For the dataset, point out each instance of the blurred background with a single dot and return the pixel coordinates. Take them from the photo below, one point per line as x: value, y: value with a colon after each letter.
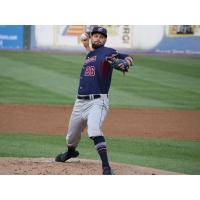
x: 183, y: 39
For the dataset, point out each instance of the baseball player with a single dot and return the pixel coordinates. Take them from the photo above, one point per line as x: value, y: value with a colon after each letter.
x: 92, y: 103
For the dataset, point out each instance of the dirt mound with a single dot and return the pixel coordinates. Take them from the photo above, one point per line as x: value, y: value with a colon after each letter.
x: 47, y: 166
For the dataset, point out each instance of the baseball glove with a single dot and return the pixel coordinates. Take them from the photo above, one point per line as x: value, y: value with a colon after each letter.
x: 118, y: 64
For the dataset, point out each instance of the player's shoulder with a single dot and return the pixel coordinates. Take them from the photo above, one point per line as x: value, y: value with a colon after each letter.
x: 110, y: 50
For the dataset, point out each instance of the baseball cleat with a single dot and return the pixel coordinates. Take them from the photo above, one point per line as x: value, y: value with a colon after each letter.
x: 108, y: 171
x: 66, y: 156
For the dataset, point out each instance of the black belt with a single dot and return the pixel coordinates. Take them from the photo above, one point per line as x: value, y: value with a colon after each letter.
x: 89, y: 97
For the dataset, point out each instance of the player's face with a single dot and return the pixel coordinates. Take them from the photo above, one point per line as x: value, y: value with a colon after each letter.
x: 98, y: 40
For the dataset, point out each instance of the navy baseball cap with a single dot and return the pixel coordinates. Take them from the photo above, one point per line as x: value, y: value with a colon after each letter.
x: 99, y: 29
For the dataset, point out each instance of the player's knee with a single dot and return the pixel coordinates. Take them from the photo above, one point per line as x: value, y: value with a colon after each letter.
x: 94, y: 131
x: 98, y: 139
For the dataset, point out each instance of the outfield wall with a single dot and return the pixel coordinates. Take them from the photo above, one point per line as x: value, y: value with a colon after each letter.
x: 140, y: 38
x: 68, y: 37
x: 121, y: 37
x: 183, y: 39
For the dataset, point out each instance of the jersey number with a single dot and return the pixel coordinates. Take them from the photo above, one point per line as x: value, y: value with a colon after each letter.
x: 90, y: 71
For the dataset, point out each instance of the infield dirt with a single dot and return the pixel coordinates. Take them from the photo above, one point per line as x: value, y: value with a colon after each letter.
x: 157, y: 123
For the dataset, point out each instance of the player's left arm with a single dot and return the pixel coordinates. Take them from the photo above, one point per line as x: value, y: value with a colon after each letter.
x: 127, y: 58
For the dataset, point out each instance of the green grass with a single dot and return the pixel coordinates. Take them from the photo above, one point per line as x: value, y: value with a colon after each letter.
x: 13, y: 91
x: 173, y: 155
x: 52, y: 78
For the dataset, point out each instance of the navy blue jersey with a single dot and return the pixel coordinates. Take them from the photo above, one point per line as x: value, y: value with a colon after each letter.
x: 96, y: 73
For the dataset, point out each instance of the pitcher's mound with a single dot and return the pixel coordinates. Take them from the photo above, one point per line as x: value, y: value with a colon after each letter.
x: 47, y: 166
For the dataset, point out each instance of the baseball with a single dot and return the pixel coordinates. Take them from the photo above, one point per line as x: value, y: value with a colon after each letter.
x: 84, y: 36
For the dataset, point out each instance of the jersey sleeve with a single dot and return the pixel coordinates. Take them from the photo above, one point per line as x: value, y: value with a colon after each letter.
x: 122, y: 56
x: 119, y: 55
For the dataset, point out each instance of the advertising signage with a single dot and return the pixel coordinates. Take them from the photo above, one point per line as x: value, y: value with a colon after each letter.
x: 11, y: 36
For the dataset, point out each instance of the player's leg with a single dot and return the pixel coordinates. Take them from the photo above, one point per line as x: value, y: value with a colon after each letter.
x: 96, y: 117
x: 101, y: 147
x: 75, y: 128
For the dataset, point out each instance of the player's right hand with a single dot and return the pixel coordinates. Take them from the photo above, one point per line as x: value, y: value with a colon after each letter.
x: 85, y: 40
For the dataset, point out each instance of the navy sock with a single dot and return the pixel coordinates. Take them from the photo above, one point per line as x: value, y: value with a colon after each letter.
x: 71, y: 149
x: 100, y: 145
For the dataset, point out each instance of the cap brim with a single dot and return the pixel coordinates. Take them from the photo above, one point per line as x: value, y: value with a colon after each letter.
x: 99, y: 32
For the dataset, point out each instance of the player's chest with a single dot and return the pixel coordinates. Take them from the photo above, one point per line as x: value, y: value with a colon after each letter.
x: 92, y: 65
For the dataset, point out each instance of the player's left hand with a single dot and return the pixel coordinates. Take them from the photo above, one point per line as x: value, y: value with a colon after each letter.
x: 119, y: 64
x: 122, y: 65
